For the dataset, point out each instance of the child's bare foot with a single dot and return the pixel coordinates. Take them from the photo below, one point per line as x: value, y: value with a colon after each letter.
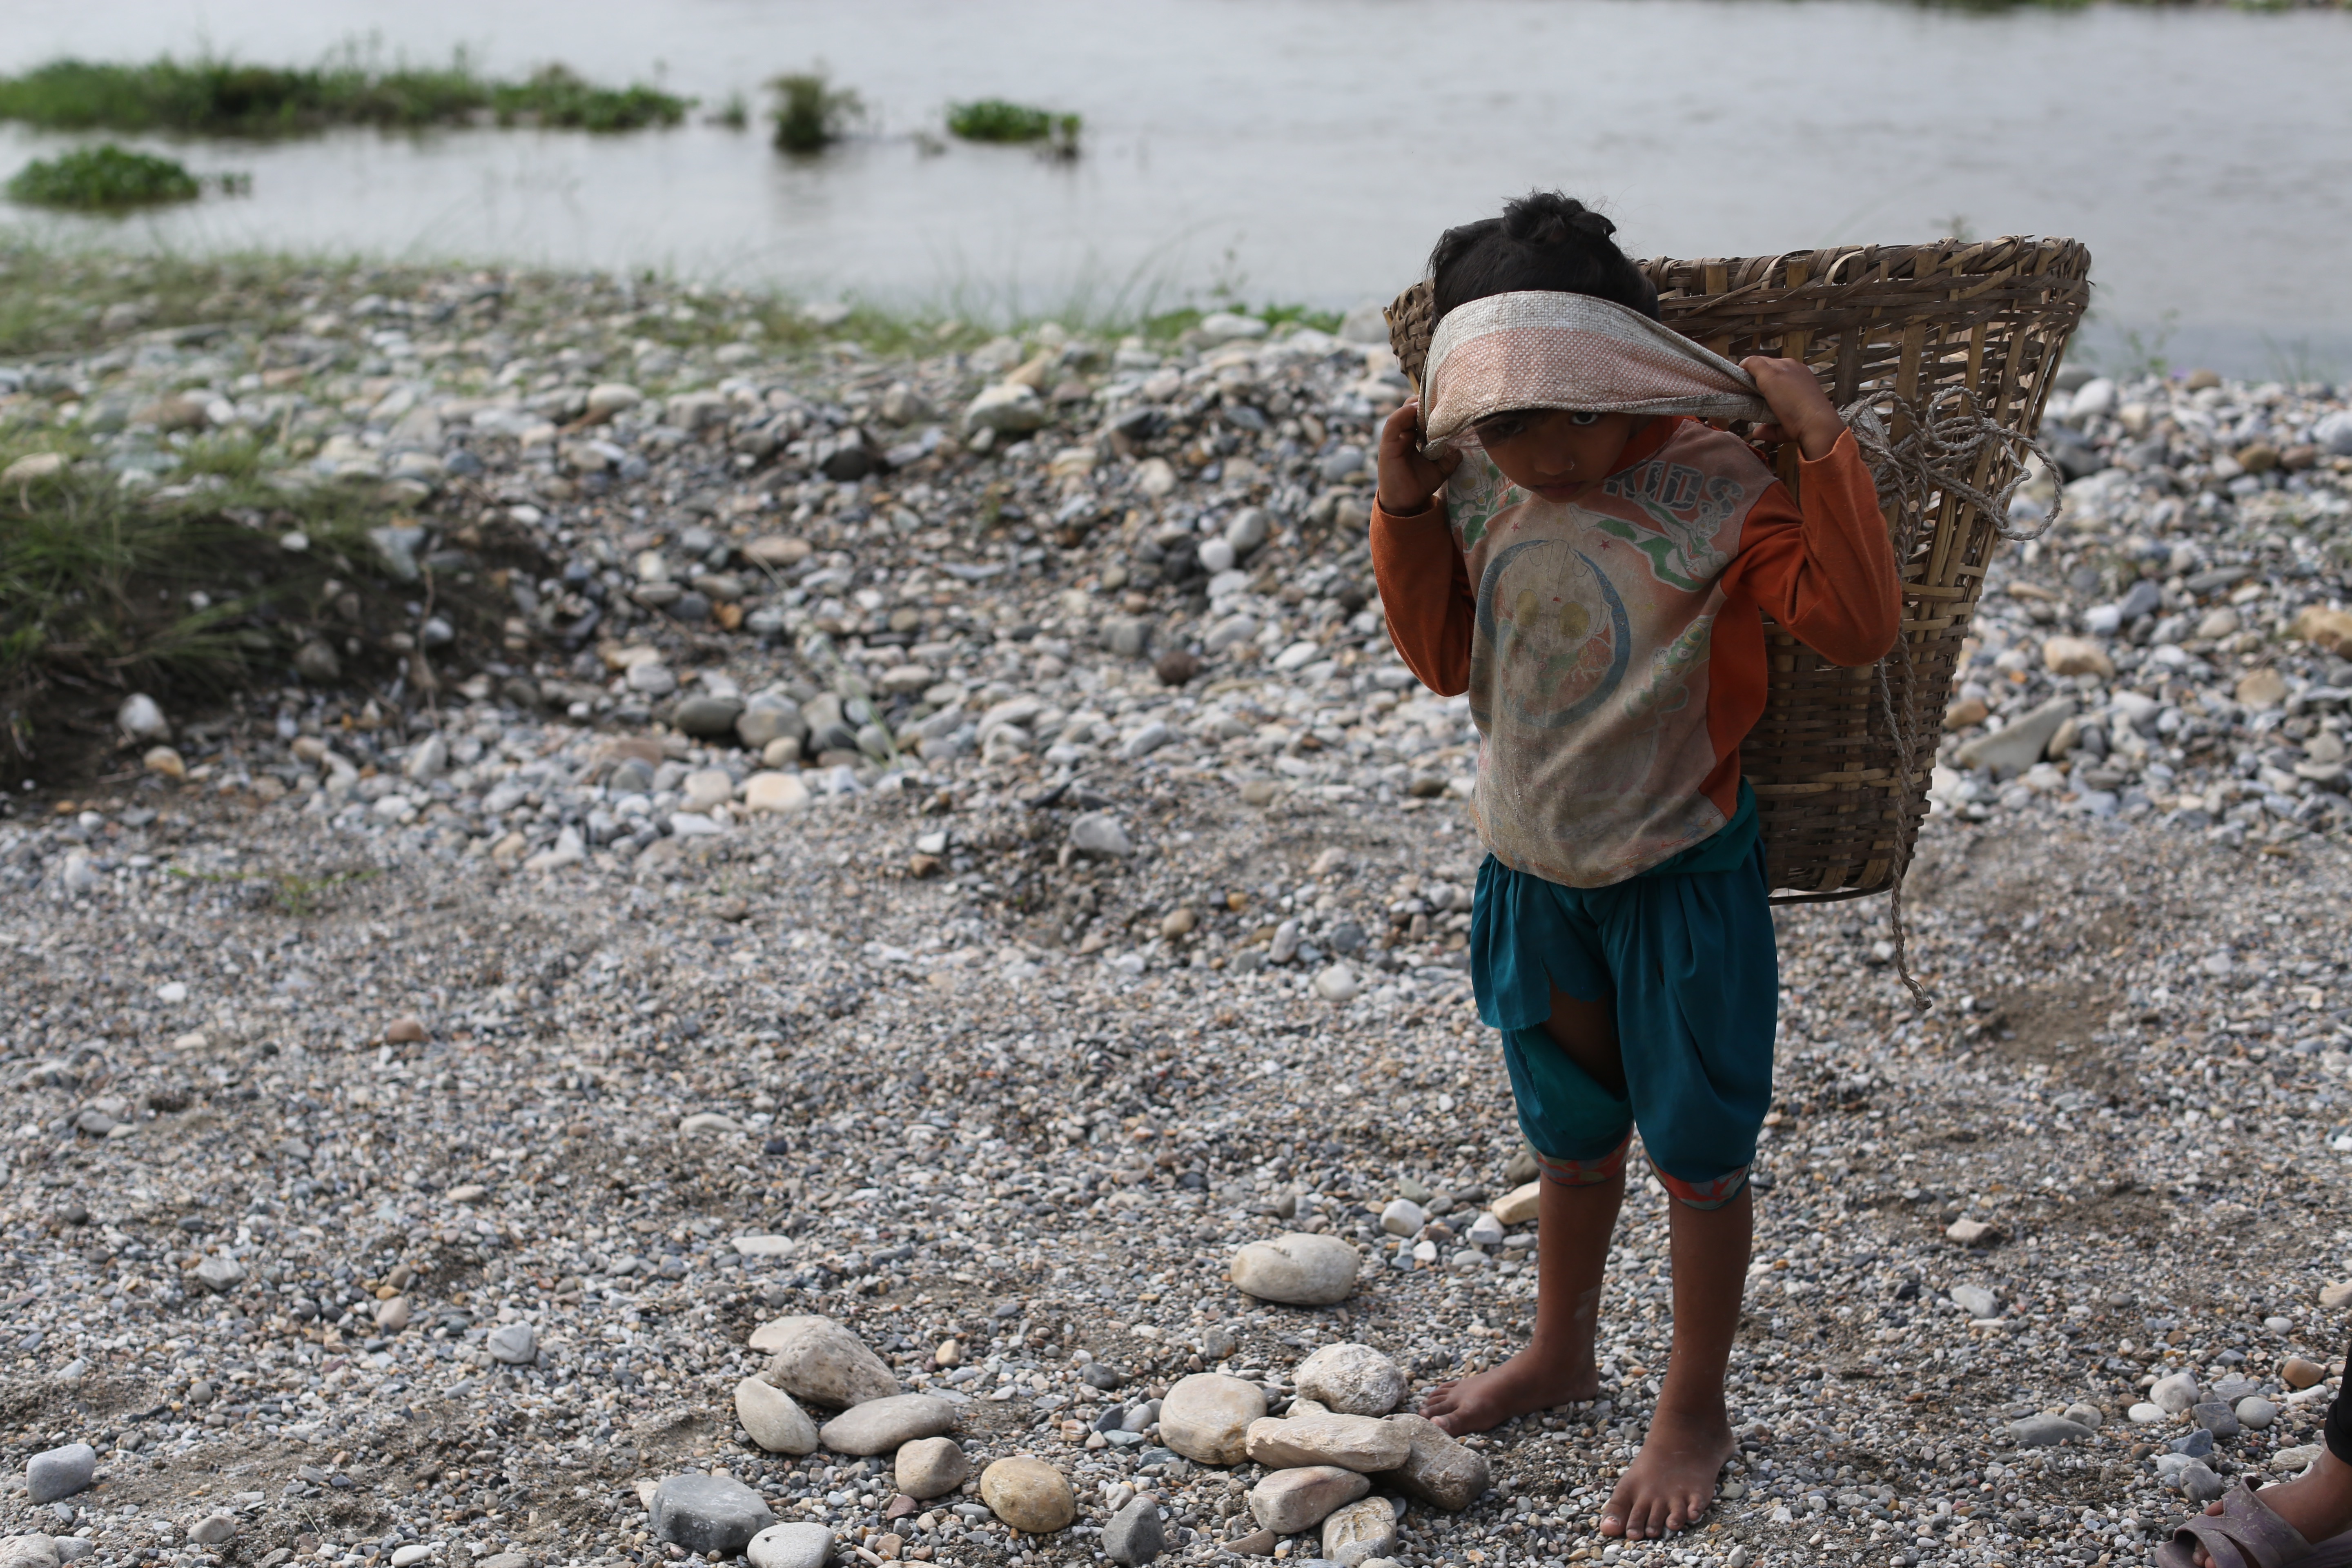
x: 2319, y: 1503
x: 1671, y: 1482
x: 1535, y: 1379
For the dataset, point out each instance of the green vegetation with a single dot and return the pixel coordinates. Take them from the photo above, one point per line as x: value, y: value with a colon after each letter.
x: 995, y: 120
x: 102, y: 176
x: 810, y: 112
x: 292, y: 893
x: 222, y: 98
x: 555, y: 97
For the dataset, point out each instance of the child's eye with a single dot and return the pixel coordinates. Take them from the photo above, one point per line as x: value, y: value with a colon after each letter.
x: 1581, y: 418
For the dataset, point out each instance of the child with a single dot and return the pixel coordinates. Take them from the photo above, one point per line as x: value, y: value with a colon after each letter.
x: 1595, y: 578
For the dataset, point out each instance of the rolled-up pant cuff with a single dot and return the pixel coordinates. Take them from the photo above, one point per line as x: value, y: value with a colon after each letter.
x: 1584, y: 1172
x: 1712, y: 1194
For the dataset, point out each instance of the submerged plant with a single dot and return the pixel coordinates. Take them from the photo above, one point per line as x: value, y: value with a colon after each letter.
x: 102, y: 176
x: 555, y: 96
x: 995, y: 119
x: 810, y: 112
x: 223, y: 98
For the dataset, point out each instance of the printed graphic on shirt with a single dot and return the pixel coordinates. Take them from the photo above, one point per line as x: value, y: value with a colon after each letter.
x: 1687, y: 508
x: 1588, y: 654
x: 1563, y: 641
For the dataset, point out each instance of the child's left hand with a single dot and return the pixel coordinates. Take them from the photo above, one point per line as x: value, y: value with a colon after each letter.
x: 1804, y: 411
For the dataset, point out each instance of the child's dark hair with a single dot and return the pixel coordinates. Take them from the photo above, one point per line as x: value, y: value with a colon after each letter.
x: 1543, y: 240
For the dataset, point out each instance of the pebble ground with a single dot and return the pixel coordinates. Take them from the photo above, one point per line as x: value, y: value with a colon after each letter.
x: 377, y: 1141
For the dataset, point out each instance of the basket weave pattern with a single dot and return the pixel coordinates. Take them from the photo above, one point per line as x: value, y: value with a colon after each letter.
x: 1892, y: 327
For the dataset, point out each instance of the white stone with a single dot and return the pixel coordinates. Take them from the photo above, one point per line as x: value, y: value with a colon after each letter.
x: 773, y: 1418
x: 781, y: 794
x: 611, y: 397
x: 142, y: 720
x: 1361, y: 1443
x: 1288, y: 1502
x: 797, y: 1545
x: 1338, y: 984
x: 1297, y: 1270
x: 1008, y: 408
x: 817, y: 1359
x: 1351, y: 1379
x: 1206, y: 1417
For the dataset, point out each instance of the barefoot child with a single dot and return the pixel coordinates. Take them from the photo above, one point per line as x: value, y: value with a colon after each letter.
x: 1594, y: 575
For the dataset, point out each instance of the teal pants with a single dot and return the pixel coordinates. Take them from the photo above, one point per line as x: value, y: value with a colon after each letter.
x: 1688, y: 963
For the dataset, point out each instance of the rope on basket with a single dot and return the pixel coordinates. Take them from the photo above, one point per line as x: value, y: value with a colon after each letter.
x: 1947, y: 439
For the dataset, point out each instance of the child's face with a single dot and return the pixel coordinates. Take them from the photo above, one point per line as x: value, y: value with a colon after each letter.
x: 1556, y: 454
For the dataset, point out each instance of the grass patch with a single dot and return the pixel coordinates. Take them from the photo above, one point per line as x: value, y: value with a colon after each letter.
x: 209, y: 97
x: 555, y: 97
x: 995, y: 119
x: 102, y: 177
x: 810, y: 112
x: 186, y: 593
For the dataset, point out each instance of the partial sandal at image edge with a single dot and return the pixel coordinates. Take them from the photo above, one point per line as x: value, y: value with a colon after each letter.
x: 2247, y: 1534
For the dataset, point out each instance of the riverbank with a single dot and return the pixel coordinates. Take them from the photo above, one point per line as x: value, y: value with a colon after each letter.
x: 940, y: 842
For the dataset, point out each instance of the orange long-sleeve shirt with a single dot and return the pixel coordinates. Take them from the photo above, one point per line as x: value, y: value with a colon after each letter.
x: 1613, y: 648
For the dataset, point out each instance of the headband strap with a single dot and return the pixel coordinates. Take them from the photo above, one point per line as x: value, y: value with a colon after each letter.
x: 1543, y: 349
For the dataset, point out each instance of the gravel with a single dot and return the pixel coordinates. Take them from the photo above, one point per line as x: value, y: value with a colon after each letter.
x: 991, y: 1039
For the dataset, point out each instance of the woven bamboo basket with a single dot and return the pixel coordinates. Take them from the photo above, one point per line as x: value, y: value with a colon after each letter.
x: 1908, y: 331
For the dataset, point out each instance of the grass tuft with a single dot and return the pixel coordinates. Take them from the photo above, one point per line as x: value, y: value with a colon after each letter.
x: 102, y: 176
x: 812, y: 113
x: 995, y: 119
x: 208, y: 96
x: 555, y: 97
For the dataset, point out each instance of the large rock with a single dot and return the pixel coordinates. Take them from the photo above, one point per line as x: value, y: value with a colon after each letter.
x: 1361, y: 1443
x: 768, y: 718
x: 774, y: 1421
x: 707, y: 718
x: 931, y: 1466
x: 1297, y: 1270
x: 1134, y: 1535
x: 60, y: 1472
x: 2076, y: 656
x: 777, y: 793
x: 2048, y: 1431
x: 1097, y: 834
x: 28, y: 1551
x: 1206, y: 1417
x: 799, y: 1545
x: 1438, y: 1471
x: 1028, y: 1494
x: 1354, y: 1380
x: 1288, y: 1502
x: 709, y: 1513
x: 2018, y: 744
x: 817, y: 1359
x: 1359, y: 1531
x: 1008, y: 408
x: 1519, y: 1205
x: 2175, y: 1394
x: 880, y: 1426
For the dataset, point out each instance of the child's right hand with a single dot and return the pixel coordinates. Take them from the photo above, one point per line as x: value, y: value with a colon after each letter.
x: 1407, y: 479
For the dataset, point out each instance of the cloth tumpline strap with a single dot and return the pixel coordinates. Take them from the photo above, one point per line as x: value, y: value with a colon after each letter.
x: 1541, y: 349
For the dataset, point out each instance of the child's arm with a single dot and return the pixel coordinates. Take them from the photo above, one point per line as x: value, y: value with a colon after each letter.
x: 1824, y: 569
x: 1424, y: 582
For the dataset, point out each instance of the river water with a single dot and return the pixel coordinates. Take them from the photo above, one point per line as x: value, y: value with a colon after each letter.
x: 1310, y: 150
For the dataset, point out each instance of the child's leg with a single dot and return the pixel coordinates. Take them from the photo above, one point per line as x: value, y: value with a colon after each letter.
x: 1699, y: 987
x: 1574, y: 1222
x: 1672, y: 1481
